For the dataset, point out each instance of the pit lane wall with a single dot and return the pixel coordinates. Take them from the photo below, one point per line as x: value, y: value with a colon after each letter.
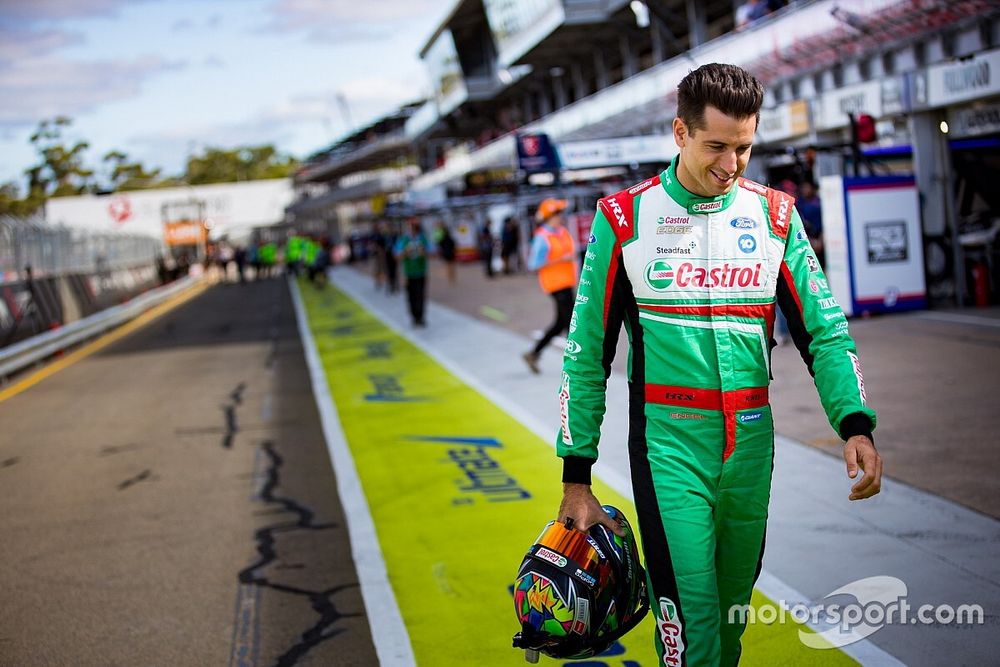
x: 30, y: 306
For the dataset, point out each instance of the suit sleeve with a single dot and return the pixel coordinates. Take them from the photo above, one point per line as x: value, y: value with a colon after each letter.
x: 819, y: 329
x: 590, y: 349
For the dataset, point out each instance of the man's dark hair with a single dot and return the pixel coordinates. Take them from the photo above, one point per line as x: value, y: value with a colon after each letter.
x: 730, y: 89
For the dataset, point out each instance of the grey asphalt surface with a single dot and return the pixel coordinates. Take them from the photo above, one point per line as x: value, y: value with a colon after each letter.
x: 170, y: 501
x: 934, y: 383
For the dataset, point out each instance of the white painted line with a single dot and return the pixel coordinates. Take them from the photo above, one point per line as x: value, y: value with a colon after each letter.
x: 863, y: 651
x: 392, y: 642
x: 955, y: 318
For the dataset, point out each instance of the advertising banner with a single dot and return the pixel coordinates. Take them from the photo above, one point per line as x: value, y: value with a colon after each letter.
x: 536, y: 153
x: 655, y: 149
x: 885, y: 244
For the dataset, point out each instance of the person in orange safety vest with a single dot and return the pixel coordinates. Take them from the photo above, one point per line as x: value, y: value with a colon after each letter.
x: 553, y: 256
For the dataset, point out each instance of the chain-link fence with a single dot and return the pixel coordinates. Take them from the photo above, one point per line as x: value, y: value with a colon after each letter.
x: 57, y: 250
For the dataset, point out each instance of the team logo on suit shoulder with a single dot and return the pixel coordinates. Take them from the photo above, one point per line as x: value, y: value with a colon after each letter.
x: 747, y: 243
x: 743, y: 223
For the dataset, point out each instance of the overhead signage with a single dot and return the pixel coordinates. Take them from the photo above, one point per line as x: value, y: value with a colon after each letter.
x: 185, y: 232
x: 974, y: 120
x: 536, y: 153
x: 654, y: 149
x: 952, y: 83
x: 835, y: 105
x: 787, y: 120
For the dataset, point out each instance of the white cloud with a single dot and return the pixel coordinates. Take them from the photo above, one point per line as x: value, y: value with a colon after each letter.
x: 18, y: 44
x: 333, y: 21
x: 302, y: 124
x: 37, y: 88
x: 56, y: 10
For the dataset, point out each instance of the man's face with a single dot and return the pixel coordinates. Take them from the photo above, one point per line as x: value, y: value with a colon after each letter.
x: 713, y: 157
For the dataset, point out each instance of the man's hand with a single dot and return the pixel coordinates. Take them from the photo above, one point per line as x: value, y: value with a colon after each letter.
x: 859, y: 451
x: 580, y: 505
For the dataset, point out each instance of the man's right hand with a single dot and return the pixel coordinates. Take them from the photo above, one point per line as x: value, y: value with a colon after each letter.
x: 580, y: 505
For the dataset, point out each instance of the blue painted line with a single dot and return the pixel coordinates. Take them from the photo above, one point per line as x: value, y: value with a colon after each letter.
x: 480, y: 442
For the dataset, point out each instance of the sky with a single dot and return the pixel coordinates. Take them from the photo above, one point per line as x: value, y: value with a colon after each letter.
x: 163, y: 79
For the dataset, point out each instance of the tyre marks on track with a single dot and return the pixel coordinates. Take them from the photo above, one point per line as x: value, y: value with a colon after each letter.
x: 253, y: 580
x: 229, y: 410
x: 146, y: 474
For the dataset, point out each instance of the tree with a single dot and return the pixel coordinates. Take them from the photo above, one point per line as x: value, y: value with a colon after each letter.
x: 61, y: 171
x: 127, y: 175
x: 249, y: 163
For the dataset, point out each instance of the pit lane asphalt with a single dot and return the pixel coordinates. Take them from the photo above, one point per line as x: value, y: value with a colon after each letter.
x: 170, y: 501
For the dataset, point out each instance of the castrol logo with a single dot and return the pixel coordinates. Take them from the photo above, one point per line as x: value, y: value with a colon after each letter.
x: 671, y: 630
x: 660, y: 275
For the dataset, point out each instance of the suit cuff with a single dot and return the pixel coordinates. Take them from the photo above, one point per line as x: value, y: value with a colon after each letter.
x: 576, y: 470
x: 856, y: 423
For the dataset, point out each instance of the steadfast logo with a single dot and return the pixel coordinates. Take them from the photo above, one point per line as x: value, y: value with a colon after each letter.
x: 670, y: 627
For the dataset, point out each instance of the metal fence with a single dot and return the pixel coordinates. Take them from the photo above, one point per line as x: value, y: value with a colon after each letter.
x: 52, y: 250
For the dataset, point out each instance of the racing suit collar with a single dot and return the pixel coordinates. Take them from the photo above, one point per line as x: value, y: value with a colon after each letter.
x: 692, y: 202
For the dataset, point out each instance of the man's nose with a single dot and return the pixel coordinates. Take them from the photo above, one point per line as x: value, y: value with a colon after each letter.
x: 728, y: 162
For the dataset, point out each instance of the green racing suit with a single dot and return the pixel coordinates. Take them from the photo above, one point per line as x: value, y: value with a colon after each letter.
x: 695, y: 282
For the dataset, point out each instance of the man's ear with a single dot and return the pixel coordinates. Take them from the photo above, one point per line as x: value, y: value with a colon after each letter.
x: 681, y: 133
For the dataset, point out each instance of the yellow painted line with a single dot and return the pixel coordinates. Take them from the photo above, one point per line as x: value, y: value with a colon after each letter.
x: 494, y: 313
x: 101, y: 342
x: 458, y: 490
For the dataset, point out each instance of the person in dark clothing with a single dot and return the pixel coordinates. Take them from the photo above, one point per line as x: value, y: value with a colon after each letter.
x: 510, y: 242
x: 391, y: 263
x: 412, y: 248
x: 811, y: 212
x: 446, y: 249
x: 486, y: 248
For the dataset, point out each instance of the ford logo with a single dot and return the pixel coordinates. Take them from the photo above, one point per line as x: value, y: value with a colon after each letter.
x: 743, y: 223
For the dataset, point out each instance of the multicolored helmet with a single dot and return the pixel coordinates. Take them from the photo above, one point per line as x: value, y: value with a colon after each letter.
x: 577, y: 593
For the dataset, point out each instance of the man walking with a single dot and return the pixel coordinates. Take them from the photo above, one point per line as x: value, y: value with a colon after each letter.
x: 553, y: 256
x: 692, y: 262
x: 412, y: 249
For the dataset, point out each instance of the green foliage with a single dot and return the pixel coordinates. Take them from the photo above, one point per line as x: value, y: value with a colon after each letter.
x: 127, y: 175
x: 251, y: 163
x: 61, y: 169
